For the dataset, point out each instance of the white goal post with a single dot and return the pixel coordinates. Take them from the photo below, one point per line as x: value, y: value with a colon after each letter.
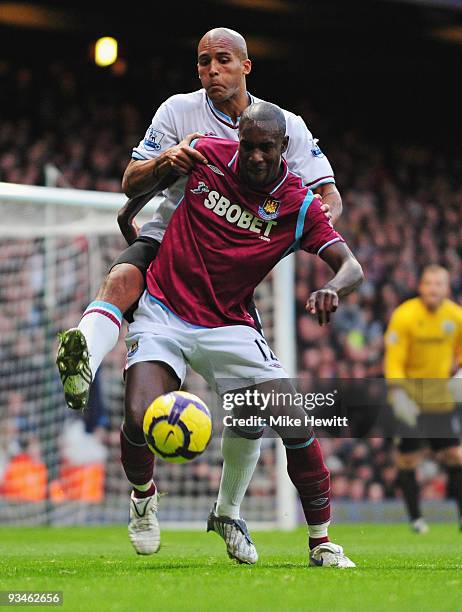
x: 55, y: 247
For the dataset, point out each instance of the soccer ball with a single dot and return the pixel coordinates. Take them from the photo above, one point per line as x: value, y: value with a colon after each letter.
x: 177, y: 426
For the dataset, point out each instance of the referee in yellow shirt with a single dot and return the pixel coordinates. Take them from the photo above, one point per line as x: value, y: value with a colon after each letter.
x: 423, y: 341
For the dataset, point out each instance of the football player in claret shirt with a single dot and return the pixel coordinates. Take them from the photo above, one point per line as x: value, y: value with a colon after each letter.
x: 242, y: 212
x: 223, y: 66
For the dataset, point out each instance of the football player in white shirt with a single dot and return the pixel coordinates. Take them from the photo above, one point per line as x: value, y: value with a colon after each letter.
x: 223, y: 65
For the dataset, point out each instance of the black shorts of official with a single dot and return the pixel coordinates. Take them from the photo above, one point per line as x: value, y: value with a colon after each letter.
x: 140, y: 254
x: 446, y: 424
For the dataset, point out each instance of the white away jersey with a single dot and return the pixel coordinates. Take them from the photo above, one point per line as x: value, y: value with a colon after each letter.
x: 183, y: 114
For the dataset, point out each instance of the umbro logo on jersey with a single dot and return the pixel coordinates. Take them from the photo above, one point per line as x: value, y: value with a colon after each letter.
x: 215, y: 169
x: 201, y: 188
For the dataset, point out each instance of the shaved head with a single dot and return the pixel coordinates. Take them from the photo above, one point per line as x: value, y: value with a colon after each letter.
x: 265, y: 112
x: 224, y: 35
x: 222, y: 66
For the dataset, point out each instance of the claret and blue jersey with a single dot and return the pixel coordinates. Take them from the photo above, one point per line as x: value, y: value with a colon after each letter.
x: 225, y: 237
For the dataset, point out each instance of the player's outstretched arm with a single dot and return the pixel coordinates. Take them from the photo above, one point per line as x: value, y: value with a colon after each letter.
x: 348, y: 276
x: 142, y: 176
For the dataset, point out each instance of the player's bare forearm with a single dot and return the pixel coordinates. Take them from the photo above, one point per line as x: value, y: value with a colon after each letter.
x: 348, y: 277
x: 145, y: 176
x: 332, y: 198
x: 142, y: 176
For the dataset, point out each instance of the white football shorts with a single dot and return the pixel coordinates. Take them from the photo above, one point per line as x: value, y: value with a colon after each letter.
x: 228, y: 357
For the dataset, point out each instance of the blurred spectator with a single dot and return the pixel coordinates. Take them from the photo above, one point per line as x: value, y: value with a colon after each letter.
x: 82, y: 469
x: 25, y: 478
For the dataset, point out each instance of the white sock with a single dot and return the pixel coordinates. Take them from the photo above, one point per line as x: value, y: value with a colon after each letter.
x: 318, y: 531
x: 100, y: 325
x: 240, y: 458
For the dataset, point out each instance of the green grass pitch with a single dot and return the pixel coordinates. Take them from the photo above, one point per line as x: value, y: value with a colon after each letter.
x: 96, y: 569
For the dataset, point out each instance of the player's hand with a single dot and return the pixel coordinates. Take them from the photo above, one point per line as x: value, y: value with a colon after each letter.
x: 182, y: 158
x: 322, y: 303
x: 405, y: 409
x: 324, y: 206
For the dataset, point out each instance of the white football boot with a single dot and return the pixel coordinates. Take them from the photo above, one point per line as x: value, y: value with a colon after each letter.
x: 143, y: 526
x: 419, y: 526
x: 329, y: 555
x: 236, y: 536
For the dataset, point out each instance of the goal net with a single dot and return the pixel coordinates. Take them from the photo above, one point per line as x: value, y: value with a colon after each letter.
x: 57, y: 467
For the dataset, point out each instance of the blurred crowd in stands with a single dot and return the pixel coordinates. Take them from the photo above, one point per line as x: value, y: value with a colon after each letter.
x: 402, y: 210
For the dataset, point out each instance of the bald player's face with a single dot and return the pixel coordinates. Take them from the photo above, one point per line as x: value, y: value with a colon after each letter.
x: 434, y: 288
x: 221, y: 67
x: 260, y: 150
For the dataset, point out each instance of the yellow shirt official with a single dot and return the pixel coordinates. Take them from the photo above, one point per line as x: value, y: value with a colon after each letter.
x: 421, y: 344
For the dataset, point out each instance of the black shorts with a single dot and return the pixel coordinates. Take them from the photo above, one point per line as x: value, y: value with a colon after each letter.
x: 140, y: 254
x: 445, y: 425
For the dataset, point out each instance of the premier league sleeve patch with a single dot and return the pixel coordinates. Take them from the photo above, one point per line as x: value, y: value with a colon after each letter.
x: 153, y: 139
x: 391, y: 338
x: 269, y: 210
x: 315, y: 150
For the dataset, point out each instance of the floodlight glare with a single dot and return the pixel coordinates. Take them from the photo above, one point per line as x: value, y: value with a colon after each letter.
x: 105, y: 51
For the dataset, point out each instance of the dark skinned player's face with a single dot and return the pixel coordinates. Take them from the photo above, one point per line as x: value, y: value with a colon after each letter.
x: 221, y: 69
x: 260, y: 150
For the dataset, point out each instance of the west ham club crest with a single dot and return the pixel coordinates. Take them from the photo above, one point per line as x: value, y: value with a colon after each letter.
x: 270, y: 209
